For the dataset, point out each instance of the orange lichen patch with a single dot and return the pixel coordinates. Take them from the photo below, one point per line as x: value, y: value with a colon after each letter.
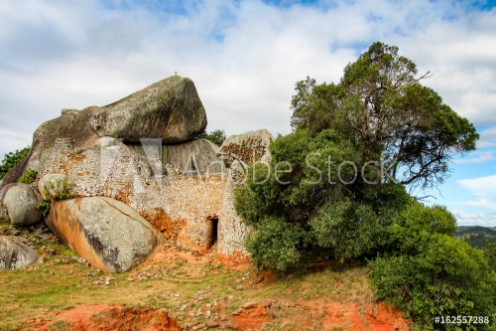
x: 236, y: 261
x: 112, y: 317
x: 124, y: 196
x: 65, y: 225
x: 251, y: 318
x: 77, y: 157
x: 162, y: 221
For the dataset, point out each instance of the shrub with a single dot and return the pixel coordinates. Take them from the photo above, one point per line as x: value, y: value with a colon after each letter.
x: 276, y: 245
x: 10, y: 160
x: 43, y: 207
x: 216, y: 136
x: 59, y: 189
x: 427, y: 273
x: 490, y: 252
x: 28, y: 176
x: 450, y: 278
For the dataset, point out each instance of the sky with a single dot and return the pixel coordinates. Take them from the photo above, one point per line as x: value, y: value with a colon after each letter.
x: 245, y: 57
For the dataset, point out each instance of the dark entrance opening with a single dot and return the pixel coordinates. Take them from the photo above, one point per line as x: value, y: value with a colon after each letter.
x: 214, y: 225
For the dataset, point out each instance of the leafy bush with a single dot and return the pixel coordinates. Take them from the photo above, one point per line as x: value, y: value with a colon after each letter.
x: 28, y: 176
x: 428, y: 273
x: 276, y: 245
x: 10, y: 160
x: 43, y: 207
x: 216, y: 136
x: 490, y: 252
x: 450, y: 278
x: 59, y: 189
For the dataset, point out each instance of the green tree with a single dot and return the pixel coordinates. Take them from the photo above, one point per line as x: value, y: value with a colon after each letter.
x: 382, y: 107
x: 10, y: 160
x: 216, y: 136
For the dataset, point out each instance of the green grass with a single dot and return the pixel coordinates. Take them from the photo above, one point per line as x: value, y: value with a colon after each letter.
x: 61, y: 282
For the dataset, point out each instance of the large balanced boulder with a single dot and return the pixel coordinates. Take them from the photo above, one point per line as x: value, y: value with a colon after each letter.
x: 15, y: 254
x: 20, y: 200
x: 106, y: 232
x: 169, y: 109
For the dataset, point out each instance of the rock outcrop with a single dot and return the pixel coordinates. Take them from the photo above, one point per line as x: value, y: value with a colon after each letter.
x: 248, y: 147
x: 143, y: 152
x: 20, y: 200
x: 170, y: 110
x: 107, y: 233
x: 15, y: 254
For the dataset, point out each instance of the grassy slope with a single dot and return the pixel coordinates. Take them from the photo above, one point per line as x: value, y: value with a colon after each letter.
x: 62, y: 281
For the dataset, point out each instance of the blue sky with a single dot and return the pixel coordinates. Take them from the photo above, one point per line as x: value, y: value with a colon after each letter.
x: 245, y: 57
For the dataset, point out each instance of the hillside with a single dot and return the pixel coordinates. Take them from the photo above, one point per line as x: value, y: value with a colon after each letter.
x: 477, y: 236
x: 185, y: 291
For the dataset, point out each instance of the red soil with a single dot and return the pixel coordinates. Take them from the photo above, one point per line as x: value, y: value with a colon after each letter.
x: 252, y: 318
x: 112, y: 317
x: 373, y: 316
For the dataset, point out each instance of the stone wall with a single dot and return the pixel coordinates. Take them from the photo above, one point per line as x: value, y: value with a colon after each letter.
x: 182, y: 202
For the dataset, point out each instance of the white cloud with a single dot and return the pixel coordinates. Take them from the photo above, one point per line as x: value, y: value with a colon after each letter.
x: 487, y: 138
x: 480, y: 185
x: 482, y: 158
x: 477, y: 218
x: 484, y: 190
x: 244, y: 57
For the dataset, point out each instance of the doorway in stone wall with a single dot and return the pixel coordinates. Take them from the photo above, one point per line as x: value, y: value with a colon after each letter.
x: 213, y: 231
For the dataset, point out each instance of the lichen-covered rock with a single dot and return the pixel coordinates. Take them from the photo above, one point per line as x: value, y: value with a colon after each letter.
x: 248, y: 147
x: 169, y: 109
x: 198, y: 156
x: 106, y: 232
x: 20, y: 201
x: 15, y: 254
x: 49, y: 184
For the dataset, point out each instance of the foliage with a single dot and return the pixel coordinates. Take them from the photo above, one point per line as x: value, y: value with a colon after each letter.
x: 305, y: 205
x: 216, y: 136
x: 490, y: 252
x: 59, y: 189
x: 28, y: 176
x: 276, y: 245
x: 429, y: 273
x: 384, y: 110
x: 300, y: 205
x: 10, y: 160
x: 43, y: 207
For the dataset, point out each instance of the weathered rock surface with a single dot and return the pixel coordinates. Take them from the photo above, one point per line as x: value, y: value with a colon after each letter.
x: 107, y: 233
x: 20, y: 201
x: 169, y: 109
x: 4, y: 215
x: 198, y: 156
x: 248, y: 147
x: 15, y: 254
x: 50, y: 183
